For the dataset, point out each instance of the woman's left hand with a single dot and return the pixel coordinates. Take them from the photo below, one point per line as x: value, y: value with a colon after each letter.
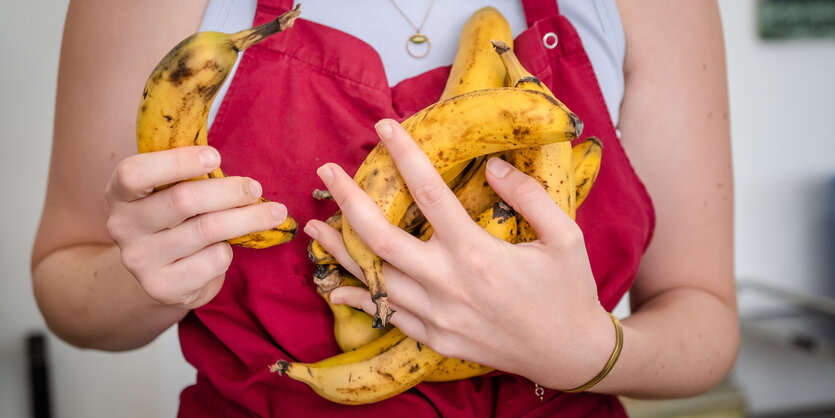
x: 530, y: 309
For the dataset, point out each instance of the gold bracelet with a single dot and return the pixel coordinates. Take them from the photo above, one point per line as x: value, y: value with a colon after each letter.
x: 610, y: 364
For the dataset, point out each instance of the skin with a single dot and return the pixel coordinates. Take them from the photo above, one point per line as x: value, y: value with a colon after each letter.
x: 113, y: 270
x: 109, y: 268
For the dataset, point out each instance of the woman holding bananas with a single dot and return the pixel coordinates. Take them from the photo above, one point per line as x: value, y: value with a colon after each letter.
x: 113, y: 271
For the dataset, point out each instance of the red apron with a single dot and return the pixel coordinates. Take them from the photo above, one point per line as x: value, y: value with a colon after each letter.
x: 312, y: 95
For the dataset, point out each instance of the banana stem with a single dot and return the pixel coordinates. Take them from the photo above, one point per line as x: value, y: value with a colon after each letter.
x: 500, y: 47
x: 248, y: 37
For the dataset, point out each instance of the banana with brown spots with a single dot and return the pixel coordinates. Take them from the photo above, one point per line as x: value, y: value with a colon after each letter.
x: 174, y: 108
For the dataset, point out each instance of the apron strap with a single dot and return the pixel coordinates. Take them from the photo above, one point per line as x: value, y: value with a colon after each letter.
x: 539, y: 9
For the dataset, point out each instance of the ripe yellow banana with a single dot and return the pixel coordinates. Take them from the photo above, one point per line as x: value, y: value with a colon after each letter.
x: 452, y: 369
x: 451, y: 132
x: 587, y: 157
x: 475, y: 194
x: 370, y: 373
x: 413, y: 218
x: 317, y: 254
x: 179, y: 93
x: 352, y: 327
x: 475, y: 66
x: 549, y: 164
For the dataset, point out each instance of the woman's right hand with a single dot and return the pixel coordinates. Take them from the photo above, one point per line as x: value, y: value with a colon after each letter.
x: 173, y: 241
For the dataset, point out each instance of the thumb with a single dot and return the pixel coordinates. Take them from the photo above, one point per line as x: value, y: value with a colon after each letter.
x: 530, y: 199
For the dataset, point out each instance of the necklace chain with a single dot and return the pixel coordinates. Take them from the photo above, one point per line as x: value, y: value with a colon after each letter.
x: 418, y: 37
x: 405, y: 16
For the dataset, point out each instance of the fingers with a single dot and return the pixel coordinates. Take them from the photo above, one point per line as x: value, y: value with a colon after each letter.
x: 331, y: 241
x: 530, y: 199
x: 359, y: 298
x: 386, y: 240
x: 136, y: 176
x: 403, y: 290
x: 209, y: 228
x: 191, y: 281
x: 437, y: 202
x: 188, y: 199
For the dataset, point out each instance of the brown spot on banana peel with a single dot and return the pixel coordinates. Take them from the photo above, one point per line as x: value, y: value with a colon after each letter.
x: 181, y: 70
x: 266, y: 239
x: 531, y: 79
x: 596, y: 141
x: 208, y: 91
x: 502, y: 211
x: 387, y: 376
x: 196, y: 139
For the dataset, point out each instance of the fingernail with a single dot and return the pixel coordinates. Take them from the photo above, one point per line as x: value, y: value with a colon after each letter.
x: 326, y: 174
x: 209, y: 158
x: 311, y: 231
x: 334, y: 297
x: 383, y: 129
x: 498, y: 167
x: 278, y: 211
x: 255, y: 188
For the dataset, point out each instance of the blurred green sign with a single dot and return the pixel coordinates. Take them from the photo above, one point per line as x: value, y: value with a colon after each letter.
x: 782, y: 19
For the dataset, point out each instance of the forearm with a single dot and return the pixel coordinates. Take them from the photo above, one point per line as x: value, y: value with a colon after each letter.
x: 680, y: 343
x: 90, y: 300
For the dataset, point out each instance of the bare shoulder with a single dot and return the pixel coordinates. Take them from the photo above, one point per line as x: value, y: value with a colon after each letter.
x: 107, y: 51
x: 675, y: 130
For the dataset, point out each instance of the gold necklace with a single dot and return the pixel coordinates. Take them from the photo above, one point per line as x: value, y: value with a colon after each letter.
x: 418, y: 38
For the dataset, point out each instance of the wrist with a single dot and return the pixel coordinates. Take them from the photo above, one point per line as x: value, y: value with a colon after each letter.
x: 584, y: 355
x: 610, y: 363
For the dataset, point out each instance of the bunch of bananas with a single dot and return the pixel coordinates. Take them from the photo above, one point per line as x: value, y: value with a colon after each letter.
x: 491, y: 106
x: 179, y: 92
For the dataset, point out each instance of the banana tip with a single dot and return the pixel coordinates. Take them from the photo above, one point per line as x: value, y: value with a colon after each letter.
x: 500, y: 46
x: 384, y: 310
x: 578, y: 125
x: 280, y: 367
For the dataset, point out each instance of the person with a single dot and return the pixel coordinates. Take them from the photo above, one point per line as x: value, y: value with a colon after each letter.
x: 113, y: 270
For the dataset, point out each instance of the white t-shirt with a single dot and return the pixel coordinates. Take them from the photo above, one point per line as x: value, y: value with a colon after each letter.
x: 597, y: 22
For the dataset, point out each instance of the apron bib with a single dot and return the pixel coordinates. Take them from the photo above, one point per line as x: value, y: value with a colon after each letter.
x: 313, y: 95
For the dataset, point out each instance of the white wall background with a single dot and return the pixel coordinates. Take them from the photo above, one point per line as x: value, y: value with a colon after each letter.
x: 783, y: 118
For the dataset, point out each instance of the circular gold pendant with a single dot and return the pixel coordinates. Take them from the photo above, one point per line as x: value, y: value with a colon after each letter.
x: 418, y: 39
